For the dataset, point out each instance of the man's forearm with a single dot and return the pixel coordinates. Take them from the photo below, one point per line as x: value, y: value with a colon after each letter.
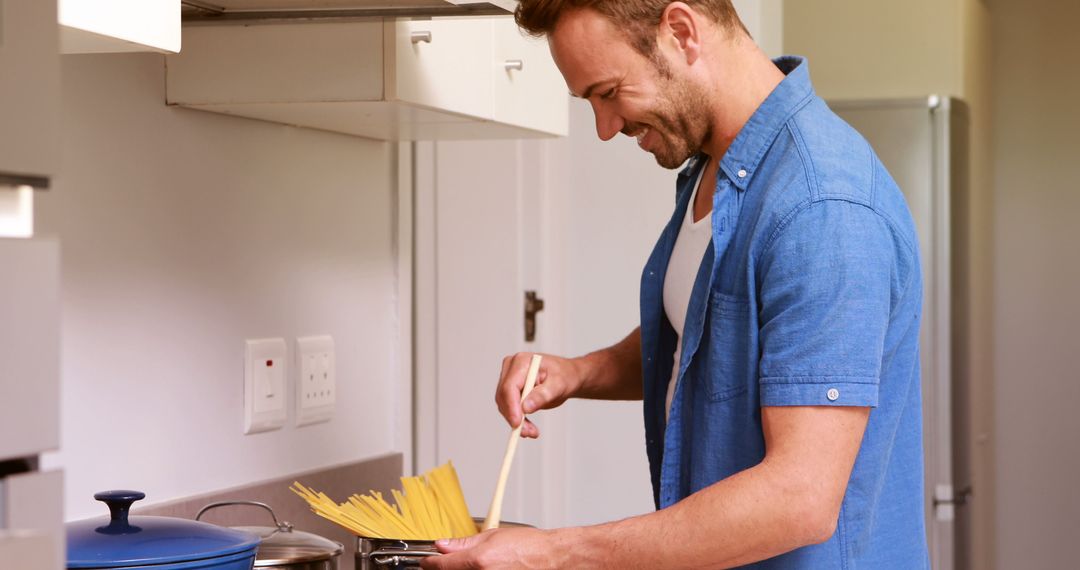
x: 750, y: 516
x: 613, y: 373
x: 789, y: 500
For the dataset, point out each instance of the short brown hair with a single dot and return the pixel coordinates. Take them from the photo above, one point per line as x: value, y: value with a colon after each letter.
x: 637, y: 18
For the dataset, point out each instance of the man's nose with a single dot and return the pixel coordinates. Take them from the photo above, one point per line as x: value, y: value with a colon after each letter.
x: 608, y: 123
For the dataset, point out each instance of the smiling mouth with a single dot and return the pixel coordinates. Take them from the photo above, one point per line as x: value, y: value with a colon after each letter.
x: 640, y: 135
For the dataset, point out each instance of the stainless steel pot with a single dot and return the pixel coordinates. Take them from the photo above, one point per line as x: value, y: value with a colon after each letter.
x: 285, y: 548
x: 398, y: 554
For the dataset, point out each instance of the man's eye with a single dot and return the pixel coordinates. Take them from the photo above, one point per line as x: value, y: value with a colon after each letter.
x: 609, y: 94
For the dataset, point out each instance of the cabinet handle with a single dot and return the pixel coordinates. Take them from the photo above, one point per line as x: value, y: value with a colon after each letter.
x: 15, y: 180
x: 418, y: 37
x: 514, y: 64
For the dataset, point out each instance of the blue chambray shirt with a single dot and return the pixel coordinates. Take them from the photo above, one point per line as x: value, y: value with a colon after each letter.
x: 809, y: 295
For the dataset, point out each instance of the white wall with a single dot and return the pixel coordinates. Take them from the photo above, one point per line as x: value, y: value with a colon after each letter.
x: 1037, y: 277
x: 764, y: 19
x: 861, y: 49
x: 185, y: 233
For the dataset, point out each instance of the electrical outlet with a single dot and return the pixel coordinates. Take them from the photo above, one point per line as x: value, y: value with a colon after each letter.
x: 264, y: 385
x: 315, y: 386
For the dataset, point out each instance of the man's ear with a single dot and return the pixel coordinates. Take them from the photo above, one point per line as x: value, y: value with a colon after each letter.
x: 680, y: 31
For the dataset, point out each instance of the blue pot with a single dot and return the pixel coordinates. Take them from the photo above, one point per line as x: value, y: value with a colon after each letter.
x: 155, y: 543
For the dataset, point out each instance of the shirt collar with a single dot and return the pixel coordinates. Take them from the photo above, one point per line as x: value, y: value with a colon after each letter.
x: 757, y: 135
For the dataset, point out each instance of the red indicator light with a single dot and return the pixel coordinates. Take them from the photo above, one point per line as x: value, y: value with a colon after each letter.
x: 269, y: 363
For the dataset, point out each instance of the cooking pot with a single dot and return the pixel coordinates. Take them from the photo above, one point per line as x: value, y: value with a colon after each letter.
x: 283, y: 547
x: 154, y: 543
x: 398, y: 554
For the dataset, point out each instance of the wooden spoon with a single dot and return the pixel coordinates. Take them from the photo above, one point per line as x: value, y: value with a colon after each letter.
x: 495, y: 512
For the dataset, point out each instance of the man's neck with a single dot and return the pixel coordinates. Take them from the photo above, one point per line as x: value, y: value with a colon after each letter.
x: 735, y: 107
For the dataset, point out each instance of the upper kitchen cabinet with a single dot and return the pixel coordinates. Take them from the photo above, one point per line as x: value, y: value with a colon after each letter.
x: 108, y: 26
x: 424, y: 79
x: 29, y: 94
x: 440, y: 64
x: 529, y: 91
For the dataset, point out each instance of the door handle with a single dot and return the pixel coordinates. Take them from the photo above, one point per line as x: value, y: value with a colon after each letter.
x: 533, y: 305
x: 946, y: 496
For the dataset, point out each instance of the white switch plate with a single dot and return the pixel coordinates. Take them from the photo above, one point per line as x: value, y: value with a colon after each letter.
x: 315, y: 386
x: 264, y: 385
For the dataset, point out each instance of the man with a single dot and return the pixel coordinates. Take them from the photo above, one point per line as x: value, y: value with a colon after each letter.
x: 777, y: 357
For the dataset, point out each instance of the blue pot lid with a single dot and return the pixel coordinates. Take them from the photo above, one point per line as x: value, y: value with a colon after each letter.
x: 122, y: 540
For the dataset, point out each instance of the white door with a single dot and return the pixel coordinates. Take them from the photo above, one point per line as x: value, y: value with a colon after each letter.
x: 478, y: 209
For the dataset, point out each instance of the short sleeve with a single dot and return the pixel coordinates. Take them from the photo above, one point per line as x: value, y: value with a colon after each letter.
x: 825, y: 290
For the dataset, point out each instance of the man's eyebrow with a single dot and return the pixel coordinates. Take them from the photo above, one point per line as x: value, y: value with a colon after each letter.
x: 589, y: 90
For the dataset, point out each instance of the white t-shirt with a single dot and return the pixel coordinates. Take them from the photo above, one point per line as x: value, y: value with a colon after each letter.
x: 682, y: 270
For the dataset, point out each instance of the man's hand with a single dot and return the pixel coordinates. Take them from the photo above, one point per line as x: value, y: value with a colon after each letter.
x: 612, y: 373
x: 498, y: 548
x: 558, y: 379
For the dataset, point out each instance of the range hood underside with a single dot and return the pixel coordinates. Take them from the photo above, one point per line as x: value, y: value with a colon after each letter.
x: 234, y: 11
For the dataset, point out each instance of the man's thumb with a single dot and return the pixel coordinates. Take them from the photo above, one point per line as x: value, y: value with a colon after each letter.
x: 451, y: 545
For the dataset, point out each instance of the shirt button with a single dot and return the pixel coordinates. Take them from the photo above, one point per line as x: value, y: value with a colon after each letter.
x: 833, y: 394
x: 742, y: 173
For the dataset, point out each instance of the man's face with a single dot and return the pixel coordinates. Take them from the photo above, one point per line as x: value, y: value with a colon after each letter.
x: 630, y: 93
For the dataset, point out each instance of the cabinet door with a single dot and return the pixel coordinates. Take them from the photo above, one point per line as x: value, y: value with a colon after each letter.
x: 29, y: 347
x: 529, y: 90
x: 29, y: 87
x: 114, y: 26
x: 441, y: 64
x: 29, y: 550
x: 32, y: 510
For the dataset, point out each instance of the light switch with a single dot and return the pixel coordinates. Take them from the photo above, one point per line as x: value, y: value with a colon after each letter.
x: 315, y: 386
x: 264, y: 385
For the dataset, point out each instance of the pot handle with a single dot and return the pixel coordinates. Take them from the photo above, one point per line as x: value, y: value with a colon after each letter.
x: 399, y: 558
x: 284, y: 526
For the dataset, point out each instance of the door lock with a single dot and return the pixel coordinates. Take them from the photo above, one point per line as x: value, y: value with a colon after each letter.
x: 533, y: 305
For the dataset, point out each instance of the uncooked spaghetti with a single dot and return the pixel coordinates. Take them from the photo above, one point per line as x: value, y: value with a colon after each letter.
x: 428, y: 507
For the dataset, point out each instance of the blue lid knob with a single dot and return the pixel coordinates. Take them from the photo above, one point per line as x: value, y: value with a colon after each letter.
x: 119, y: 503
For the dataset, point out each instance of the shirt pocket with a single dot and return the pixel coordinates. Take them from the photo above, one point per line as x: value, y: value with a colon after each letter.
x: 728, y: 347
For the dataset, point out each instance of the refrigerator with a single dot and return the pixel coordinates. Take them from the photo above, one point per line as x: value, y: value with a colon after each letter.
x: 923, y: 143
x: 31, y: 506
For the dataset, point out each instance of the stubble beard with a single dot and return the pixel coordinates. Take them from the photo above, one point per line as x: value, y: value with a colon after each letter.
x: 681, y: 120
